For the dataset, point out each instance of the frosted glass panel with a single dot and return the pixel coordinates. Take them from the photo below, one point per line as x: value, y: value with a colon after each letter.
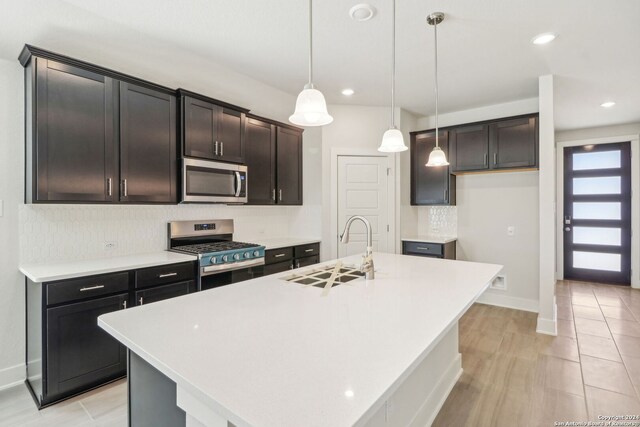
x: 597, y: 235
x: 607, y: 210
x: 601, y: 185
x: 597, y: 261
x: 597, y: 160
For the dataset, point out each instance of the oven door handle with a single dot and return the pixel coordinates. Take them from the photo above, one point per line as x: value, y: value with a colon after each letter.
x: 238, y: 184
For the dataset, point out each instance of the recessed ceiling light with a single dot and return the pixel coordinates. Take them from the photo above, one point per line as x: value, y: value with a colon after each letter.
x: 543, y: 38
x: 608, y: 104
x: 347, y: 92
x: 362, y: 12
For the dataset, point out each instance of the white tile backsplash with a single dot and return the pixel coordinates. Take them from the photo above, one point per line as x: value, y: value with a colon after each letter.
x: 438, y: 221
x: 67, y: 232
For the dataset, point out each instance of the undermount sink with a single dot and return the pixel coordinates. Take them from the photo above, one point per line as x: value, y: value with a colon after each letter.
x: 318, y: 276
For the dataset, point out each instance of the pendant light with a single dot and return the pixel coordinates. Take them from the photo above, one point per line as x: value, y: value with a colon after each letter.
x: 311, y: 108
x: 392, y: 140
x: 437, y: 156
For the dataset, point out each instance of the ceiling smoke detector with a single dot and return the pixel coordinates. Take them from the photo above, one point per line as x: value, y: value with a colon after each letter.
x: 362, y: 12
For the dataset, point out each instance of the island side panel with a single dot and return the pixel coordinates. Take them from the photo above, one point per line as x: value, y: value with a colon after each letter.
x: 152, y: 397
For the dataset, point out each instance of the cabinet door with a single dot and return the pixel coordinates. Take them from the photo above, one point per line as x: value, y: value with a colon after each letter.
x: 147, y: 145
x: 260, y: 157
x: 74, y: 152
x: 231, y: 135
x: 278, y: 267
x: 200, y: 128
x: 307, y: 261
x: 163, y: 292
x: 289, y: 166
x: 513, y: 143
x: 469, y: 148
x: 430, y: 185
x: 80, y: 354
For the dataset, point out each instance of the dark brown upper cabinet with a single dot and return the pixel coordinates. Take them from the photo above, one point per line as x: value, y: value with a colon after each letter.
x: 274, y: 159
x: 510, y: 143
x: 514, y: 143
x: 71, y: 138
x: 212, y: 129
x: 96, y: 136
x: 430, y: 185
x: 147, y: 145
x: 469, y: 148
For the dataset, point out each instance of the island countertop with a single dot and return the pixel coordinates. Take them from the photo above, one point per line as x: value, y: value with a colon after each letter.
x: 267, y: 352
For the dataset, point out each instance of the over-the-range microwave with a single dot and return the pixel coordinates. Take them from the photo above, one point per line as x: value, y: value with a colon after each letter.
x: 205, y: 181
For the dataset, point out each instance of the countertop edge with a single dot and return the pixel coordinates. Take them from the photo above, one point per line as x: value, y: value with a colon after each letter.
x: 430, y: 239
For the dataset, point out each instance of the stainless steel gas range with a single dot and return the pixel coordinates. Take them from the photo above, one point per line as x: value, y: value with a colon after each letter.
x: 221, y: 259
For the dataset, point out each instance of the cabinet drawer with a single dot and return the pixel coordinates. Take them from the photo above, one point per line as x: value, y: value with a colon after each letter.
x: 307, y: 250
x: 159, y: 293
x: 278, y: 255
x: 87, y: 287
x: 419, y: 248
x: 165, y: 274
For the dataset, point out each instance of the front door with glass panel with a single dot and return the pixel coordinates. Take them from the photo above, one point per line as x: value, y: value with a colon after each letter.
x: 597, y: 213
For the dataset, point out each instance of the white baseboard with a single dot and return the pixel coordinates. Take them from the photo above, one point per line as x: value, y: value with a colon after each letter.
x: 12, y: 376
x: 507, y: 301
x: 430, y: 408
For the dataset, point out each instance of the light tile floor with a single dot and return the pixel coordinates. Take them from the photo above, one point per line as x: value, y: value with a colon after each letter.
x: 512, y: 375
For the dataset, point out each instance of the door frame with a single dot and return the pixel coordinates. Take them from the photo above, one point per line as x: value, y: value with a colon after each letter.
x: 635, y: 200
x: 391, y: 195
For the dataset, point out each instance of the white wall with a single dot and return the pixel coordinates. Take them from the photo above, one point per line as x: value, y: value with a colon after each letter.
x: 486, y: 207
x: 56, y: 233
x: 598, y: 132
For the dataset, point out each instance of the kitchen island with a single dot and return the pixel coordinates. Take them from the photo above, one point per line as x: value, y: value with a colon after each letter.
x: 268, y: 352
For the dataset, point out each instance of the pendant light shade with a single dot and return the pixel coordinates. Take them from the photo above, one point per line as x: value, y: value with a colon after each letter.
x: 437, y: 156
x: 311, y: 107
x: 392, y: 140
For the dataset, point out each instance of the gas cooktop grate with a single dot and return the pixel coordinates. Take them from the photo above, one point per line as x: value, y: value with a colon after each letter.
x: 206, y: 248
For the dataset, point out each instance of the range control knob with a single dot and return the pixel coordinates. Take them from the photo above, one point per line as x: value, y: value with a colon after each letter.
x: 214, y: 260
x: 256, y: 253
x: 225, y: 258
x: 247, y: 254
x: 236, y: 256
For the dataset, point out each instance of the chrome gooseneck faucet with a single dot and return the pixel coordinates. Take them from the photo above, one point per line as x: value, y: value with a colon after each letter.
x: 367, y: 258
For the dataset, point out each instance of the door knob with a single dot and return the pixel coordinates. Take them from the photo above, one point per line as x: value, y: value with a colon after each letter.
x: 567, y: 229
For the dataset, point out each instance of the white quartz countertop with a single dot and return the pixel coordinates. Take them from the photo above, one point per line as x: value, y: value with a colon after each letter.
x: 430, y: 239
x: 66, y: 270
x: 267, y: 352
x: 284, y: 242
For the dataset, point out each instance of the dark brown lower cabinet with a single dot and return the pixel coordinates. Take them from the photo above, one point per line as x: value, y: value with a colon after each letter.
x: 80, y: 354
x: 159, y: 293
x: 429, y: 249
x: 290, y: 257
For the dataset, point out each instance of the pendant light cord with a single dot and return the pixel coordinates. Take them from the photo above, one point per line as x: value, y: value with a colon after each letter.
x: 393, y: 64
x: 310, y: 43
x: 435, y: 32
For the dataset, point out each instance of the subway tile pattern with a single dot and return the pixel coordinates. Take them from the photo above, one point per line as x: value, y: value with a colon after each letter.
x: 51, y: 233
x: 438, y: 221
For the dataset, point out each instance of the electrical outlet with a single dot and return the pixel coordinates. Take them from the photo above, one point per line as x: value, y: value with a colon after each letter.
x: 511, y: 230
x: 499, y: 283
x: 109, y: 246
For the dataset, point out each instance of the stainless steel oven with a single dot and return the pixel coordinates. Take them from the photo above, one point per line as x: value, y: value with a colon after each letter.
x: 213, y: 182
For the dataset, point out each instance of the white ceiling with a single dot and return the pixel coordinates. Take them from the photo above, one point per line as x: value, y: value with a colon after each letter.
x: 485, y: 54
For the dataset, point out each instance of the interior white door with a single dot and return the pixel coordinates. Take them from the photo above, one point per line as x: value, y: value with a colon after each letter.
x: 363, y: 190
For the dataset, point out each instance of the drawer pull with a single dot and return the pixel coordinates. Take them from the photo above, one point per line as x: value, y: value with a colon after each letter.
x: 279, y: 255
x: 309, y: 250
x: 422, y: 248
x: 91, y: 288
x: 167, y: 275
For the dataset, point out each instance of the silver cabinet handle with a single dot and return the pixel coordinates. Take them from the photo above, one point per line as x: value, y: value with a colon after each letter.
x: 124, y: 187
x: 422, y: 248
x: 167, y: 275
x: 216, y: 148
x: 221, y: 148
x: 279, y: 255
x: 280, y: 194
x: 91, y: 288
x: 273, y: 194
x: 124, y: 304
x: 486, y: 158
x: 308, y: 250
x: 495, y: 158
x: 445, y: 194
x: 238, y: 184
x: 141, y: 300
x: 297, y: 264
x: 109, y: 187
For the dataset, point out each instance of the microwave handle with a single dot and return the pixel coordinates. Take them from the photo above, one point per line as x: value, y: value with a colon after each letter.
x: 238, y: 184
